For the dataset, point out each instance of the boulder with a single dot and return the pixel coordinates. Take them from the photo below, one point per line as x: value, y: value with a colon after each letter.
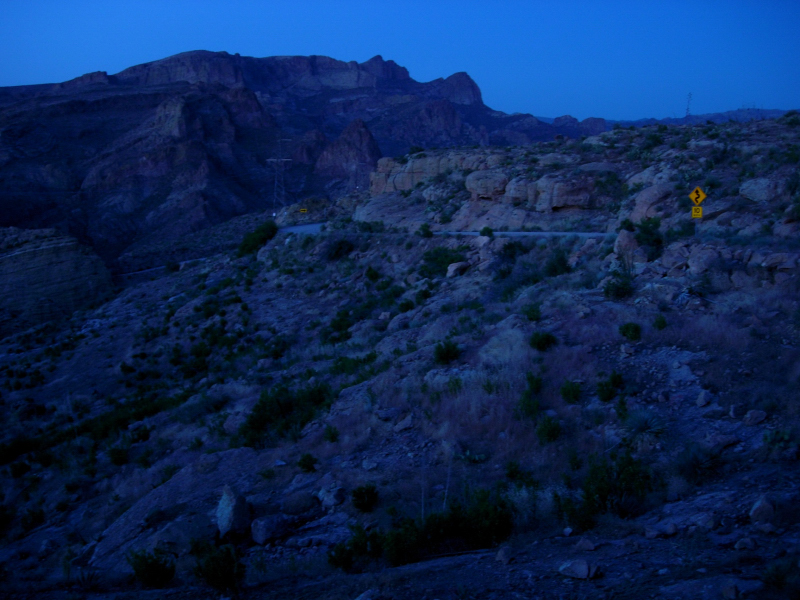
x: 762, y: 511
x: 647, y: 201
x: 265, y: 529
x: 458, y: 268
x: 520, y: 191
x: 579, y: 569
x: 406, y: 423
x: 232, y: 512
x: 701, y: 259
x: 754, y: 417
x: 555, y: 193
x: 625, y: 244
x: 298, y: 503
x: 331, y: 496
x: 584, y: 545
x: 486, y: 185
x: 761, y: 189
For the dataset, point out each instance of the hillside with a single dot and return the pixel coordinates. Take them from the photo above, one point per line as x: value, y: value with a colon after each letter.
x: 385, y: 411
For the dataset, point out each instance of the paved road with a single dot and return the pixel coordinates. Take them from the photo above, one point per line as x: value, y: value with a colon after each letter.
x: 312, y: 228
x: 309, y: 228
x: 541, y: 234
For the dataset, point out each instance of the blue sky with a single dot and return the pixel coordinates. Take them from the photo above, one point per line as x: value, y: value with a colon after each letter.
x: 612, y: 59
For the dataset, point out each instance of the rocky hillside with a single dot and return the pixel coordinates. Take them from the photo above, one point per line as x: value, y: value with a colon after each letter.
x: 604, y: 407
x: 181, y: 144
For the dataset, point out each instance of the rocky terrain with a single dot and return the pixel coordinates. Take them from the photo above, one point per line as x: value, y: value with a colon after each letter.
x: 385, y: 411
x: 160, y: 150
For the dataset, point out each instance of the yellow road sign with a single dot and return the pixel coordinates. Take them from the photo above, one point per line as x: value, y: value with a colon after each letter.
x: 697, y: 212
x: 697, y: 196
x: 303, y: 210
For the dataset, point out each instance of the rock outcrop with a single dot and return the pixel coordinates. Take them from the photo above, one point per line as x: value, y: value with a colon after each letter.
x: 45, y: 275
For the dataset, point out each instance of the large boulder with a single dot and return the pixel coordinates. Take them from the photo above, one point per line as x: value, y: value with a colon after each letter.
x: 647, y: 201
x: 761, y: 189
x: 555, y: 193
x: 486, y: 185
x: 266, y: 529
x: 232, y: 512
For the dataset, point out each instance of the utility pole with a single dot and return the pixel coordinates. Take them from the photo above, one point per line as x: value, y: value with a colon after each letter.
x: 688, y: 104
x: 279, y: 190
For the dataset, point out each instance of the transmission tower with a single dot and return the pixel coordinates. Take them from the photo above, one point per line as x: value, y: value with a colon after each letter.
x: 279, y: 190
x: 688, y: 104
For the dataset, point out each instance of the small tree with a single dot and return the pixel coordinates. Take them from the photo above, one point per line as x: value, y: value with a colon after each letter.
x: 153, y: 569
x: 365, y: 497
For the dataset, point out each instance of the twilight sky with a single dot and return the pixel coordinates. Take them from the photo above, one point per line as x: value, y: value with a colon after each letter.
x: 618, y: 59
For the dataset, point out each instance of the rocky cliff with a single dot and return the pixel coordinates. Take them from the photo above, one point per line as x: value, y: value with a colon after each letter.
x: 188, y: 142
x: 46, y: 276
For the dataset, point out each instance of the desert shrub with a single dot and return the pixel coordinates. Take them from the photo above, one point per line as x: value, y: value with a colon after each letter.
x: 511, y: 250
x: 610, y: 184
x: 571, y: 392
x: 365, y: 497
x: 331, y: 434
x: 32, y: 518
x: 644, y: 425
x: 548, y: 429
x: 543, y: 340
x: 337, y: 330
x: 371, y: 226
x: 519, y: 476
x: 528, y: 406
x: 660, y: 322
x: 405, y: 305
x: 372, y: 274
x: 446, y: 352
x: 118, y: 455
x: 649, y: 237
x: 152, y: 569
x: 782, y: 575
x: 346, y: 365
x: 532, y: 312
x: 257, y: 238
x: 219, y: 567
x: 425, y: 231
x: 280, y: 410
x: 307, y: 463
x: 557, y: 264
x: 631, y: 331
x: 617, y: 486
x: 338, y: 249
x: 436, y: 261
x: 696, y: 463
x: 620, y: 286
x: 482, y: 521
x: 487, y: 231
x: 607, y: 389
x: 683, y: 230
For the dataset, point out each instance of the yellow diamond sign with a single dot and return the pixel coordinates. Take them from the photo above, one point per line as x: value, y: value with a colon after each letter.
x: 697, y: 196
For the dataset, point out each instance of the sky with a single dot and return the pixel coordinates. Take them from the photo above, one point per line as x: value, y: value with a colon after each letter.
x: 613, y: 59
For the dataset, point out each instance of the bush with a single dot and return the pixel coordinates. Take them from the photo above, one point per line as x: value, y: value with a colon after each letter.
x: 118, y: 456
x: 607, y: 390
x: 484, y: 520
x: 650, y: 238
x: 557, y: 264
x: 405, y: 305
x: 307, y: 463
x: 660, y: 322
x: 279, y: 410
x: 331, y: 434
x: 696, y: 463
x: 372, y: 274
x: 219, y: 567
x: 152, y: 569
x: 571, y: 392
x: 543, y: 340
x: 528, y: 406
x: 254, y: 240
x: 620, y: 286
x: 425, y: 231
x: 487, y: 231
x: 447, y: 352
x: 338, y: 249
x: 365, y: 497
x: 532, y: 312
x: 437, y: 260
x: 631, y: 331
x: 548, y: 430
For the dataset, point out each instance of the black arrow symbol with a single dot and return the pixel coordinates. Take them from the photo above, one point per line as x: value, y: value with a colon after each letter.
x: 697, y: 194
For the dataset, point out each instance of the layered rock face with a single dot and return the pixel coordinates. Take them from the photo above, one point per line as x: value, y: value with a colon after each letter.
x: 44, y: 276
x: 170, y: 147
